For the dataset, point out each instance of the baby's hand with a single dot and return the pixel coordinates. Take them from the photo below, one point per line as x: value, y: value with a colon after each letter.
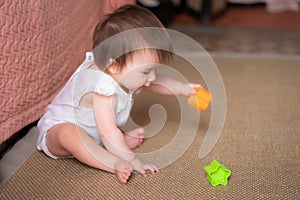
x: 141, y: 167
x: 188, y: 89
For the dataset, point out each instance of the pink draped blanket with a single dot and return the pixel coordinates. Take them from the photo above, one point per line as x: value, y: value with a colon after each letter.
x: 42, y: 43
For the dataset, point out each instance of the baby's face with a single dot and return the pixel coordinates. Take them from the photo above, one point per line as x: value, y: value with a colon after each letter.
x: 140, y: 71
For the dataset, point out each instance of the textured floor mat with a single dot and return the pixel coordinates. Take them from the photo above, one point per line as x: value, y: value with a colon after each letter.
x: 259, y: 144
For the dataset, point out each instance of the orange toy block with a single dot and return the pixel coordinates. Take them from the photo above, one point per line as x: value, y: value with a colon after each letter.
x: 200, y: 100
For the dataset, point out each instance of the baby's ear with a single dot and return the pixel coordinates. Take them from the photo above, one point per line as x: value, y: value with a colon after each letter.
x: 112, y: 66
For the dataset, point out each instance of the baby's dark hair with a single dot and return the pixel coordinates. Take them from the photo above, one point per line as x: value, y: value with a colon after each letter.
x: 129, y: 28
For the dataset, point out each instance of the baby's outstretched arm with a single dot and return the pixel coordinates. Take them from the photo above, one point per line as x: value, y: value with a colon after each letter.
x: 168, y: 86
x: 112, y: 137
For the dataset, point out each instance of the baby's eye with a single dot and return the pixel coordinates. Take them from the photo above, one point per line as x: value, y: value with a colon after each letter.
x: 146, y: 72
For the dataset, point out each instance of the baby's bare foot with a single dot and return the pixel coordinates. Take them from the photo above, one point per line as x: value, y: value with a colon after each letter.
x: 134, y: 138
x: 123, y: 170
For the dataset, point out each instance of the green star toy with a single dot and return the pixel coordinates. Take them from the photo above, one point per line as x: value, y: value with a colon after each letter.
x: 217, y: 173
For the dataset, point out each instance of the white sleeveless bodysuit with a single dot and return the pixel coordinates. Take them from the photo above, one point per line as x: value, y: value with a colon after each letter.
x: 65, y: 107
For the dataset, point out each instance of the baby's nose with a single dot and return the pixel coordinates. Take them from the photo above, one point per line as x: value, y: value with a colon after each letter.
x: 152, y: 77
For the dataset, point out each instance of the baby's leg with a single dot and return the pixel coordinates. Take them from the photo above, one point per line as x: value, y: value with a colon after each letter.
x: 69, y: 139
x: 134, y: 138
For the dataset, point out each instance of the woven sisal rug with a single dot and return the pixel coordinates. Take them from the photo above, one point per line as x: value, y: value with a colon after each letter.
x: 260, y: 144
